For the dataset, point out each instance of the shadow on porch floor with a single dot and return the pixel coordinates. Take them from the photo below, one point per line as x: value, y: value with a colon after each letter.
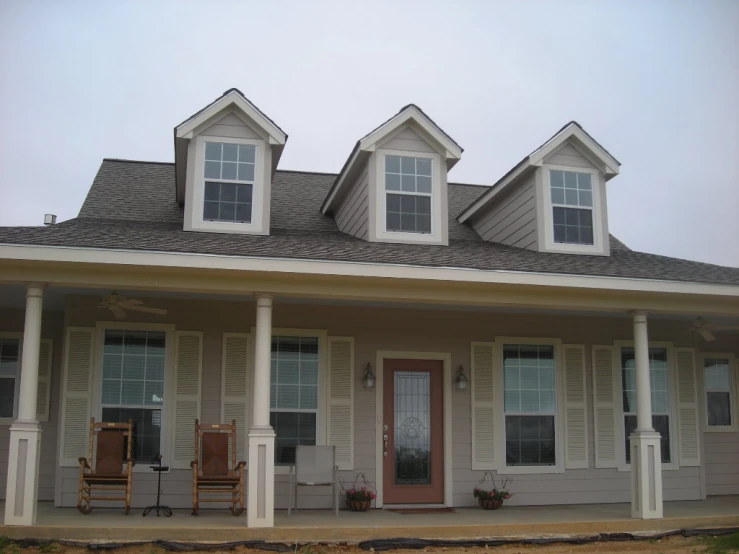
x: 321, y: 525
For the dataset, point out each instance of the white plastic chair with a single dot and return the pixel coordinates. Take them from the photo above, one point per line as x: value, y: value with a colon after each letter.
x: 315, y: 466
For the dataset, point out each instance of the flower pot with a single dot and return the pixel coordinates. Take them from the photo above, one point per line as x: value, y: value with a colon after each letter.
x: 358, y: 505
x: 489, y: 504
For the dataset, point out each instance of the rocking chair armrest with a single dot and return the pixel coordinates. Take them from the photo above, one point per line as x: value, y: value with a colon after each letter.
x: 84, y: 464
x: 194, y: 465
x: 240, y: 466
x: 131, y: 461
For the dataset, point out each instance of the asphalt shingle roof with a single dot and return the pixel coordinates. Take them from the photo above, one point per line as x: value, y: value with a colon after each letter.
x: 131, y: 206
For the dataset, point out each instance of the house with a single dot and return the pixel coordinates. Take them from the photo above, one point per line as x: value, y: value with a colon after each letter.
x: 429, y: 330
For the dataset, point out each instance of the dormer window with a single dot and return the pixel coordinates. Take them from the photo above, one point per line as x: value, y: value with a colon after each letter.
x: 229, y: 182
x: 572, y: 207
x: 408, y: 186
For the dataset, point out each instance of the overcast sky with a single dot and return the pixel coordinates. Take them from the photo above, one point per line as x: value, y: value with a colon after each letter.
x: 656, y: 83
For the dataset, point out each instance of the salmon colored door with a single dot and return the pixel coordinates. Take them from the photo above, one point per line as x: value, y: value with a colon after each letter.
x: 413, y: 449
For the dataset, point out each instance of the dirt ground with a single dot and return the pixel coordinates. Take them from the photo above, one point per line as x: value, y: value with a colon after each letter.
x: 671, y: 545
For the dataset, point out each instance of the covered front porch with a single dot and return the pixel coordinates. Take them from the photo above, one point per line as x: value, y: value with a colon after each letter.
x: 467, y: 328
x: 322, y: 526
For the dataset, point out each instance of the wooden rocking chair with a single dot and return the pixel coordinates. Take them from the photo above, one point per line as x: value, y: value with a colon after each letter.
x: 210, y: 469
x: 111, y: 470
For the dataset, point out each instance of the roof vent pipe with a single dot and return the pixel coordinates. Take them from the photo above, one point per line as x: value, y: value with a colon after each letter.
x: 49, y: 219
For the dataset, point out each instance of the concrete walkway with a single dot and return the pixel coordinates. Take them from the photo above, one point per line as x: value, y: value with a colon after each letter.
x: 322, y: 526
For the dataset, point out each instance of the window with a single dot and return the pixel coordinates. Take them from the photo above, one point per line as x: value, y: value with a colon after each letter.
x: 717, y: 384
x: 572, y: 205
x: 408, y: 194
x: 659, y: 383
x: 9, y: 369
x: 293, y: 394
x: 530, y: 405
x: 229, y: 182
x: 133, y: 386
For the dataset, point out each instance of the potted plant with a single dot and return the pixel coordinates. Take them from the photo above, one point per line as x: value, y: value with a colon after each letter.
x: 359, y: 499
x: 492, y: 499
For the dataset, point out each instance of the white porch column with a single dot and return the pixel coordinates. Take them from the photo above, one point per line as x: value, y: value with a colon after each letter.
x: 646, y: 459
x: 261, y: 501
x: 25, y: 433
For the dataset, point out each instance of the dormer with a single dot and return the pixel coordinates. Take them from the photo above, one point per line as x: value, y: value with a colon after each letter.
x: 393, y: 187
x: 554, y: 200
x: 225, y: 158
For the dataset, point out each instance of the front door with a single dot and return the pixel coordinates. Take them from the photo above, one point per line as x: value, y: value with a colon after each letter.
x: 412, y: 432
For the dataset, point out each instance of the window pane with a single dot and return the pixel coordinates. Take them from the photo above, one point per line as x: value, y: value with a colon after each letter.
x: 9, y: 350
x: 584, y: 182
x: 570, y: 180
x: 246, y: 172
x: 719, y: 408
x: 423, y: 224
x: 423, y: 184
x: 423, y: 205
x: 423, y: 167
x: 243, y: 193
x: 570, y: 197
x: 408, y: 183
x: 558, y: 179
x: 7, y: 396
x: 246, y: 153
x: 407, y: 223
x: 213, y: 151
x: 295, y: 372
x: 558, y: 196
x: 243, y: 213
x: 407, y: 204
x: 228, y: 192
x: 230, y: 152
x: 716, y: 375
x: 292, y: 429
x: 227, y: 211
x: 586, y: 198
x: 212, y: 191
x: 392, y: 181
x: 228, y: 170
x: 408, y: 166
x: 210, y: 211
x: 212, y: 170
x: 393, y: 202
x: 530, y: 440
x: 393, y: 221
x: 147, y: 430
x: 392, y: 164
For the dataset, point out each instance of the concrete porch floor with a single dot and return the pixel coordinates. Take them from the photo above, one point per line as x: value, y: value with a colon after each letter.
x: 322, y: 526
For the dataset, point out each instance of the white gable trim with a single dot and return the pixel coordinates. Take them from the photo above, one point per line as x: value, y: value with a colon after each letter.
x: 593, y: 148
x: 233, y: 98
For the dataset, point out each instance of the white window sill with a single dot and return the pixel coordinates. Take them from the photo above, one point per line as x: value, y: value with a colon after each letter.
x: 531, y: 470
x: 721, y: 429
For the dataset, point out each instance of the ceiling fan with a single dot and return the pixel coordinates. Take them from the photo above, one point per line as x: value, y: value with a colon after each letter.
x: 118, y: 305
x: 706, y: 329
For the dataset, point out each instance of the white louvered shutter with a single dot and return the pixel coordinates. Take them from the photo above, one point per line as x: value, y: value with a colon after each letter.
x: 483, y: 408
x: 79, y: 348
x: 687, y: 402
x: 605, y: 406
x: 235, y: 387
x: 188, y: 370
x: 341, y: 399
x: 44, y: 380
x: 576, y: 424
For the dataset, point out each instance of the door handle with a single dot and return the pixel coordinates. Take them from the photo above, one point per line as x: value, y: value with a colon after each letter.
x: 384, y: 438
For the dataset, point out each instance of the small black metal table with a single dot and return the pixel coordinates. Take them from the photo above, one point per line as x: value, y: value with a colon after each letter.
x: 165, y: 509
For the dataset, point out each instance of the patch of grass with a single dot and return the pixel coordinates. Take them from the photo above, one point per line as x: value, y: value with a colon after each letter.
x: 7, y: 546
x: 49, y: 547
x: 722, y: 544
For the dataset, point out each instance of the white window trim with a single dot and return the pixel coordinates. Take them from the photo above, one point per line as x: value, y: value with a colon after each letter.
x: 733, y: 391
x: 381, y: 233
x: 559, y: 423
x: 167, y: 437
x: 16, y: 392
x: 194, y: 212
x: 600, y: 244
x: 321, y: 420
x: 672, y: 387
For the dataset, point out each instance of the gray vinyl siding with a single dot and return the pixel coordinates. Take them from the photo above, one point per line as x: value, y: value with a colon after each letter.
x: 352, y: 216
x: 511, y: 220
x: 230, y: 126
x: 407, y: 139
x: 722, y: 462
x: 568, y: 155
x: 394, y: 329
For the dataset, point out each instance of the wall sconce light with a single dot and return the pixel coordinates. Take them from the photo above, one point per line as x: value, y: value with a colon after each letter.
x: 461, y: 379
x: 369, y: 377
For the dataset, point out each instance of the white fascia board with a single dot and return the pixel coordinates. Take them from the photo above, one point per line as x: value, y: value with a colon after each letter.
x: 422, y: 121
x: 335, y: 190
x: 100, y: 256
x: 495, y: 190
x: 185, y: 130
x: 572, y: 130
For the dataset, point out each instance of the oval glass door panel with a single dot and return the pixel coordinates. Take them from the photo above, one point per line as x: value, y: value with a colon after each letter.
x: 412, y: 427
